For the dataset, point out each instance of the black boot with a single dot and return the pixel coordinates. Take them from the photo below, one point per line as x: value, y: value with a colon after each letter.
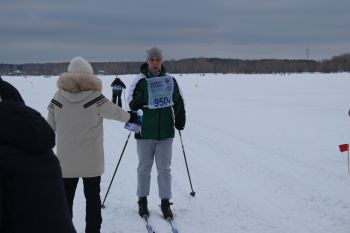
x: 165, y: 205
x: 143, y: 209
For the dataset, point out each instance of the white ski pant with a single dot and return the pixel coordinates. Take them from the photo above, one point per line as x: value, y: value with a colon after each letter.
x: 149, y: 150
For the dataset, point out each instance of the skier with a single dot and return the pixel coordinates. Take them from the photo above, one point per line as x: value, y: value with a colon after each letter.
x: 117, y: 89
x: 32, y: 197
x: 76, y: 113
x: 158, y: 94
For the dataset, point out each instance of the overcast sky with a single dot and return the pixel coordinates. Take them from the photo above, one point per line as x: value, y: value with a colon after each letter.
x: 113, y: 30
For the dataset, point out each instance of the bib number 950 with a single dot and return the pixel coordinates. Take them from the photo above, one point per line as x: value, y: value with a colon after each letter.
x: 161, y: 101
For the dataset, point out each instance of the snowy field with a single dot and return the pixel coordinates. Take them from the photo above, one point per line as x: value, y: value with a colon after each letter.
x: 262, y: 151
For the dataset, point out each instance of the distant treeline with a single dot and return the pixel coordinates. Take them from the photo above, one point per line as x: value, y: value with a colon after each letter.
x: 339, y: 63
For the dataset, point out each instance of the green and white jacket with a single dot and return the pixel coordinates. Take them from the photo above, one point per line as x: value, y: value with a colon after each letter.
x: 158, y: 123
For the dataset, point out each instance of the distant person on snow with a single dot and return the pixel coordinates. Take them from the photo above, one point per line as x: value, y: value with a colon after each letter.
x: 76, y: 113
x: 117, y: 89
x: 157, y: 93
x: 32, y: 197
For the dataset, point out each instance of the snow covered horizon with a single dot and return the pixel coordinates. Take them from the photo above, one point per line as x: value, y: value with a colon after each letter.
x: 262, y: 152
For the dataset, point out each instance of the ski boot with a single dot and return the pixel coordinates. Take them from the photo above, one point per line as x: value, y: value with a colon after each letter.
x: 165, y: 206
x: 143, y: 209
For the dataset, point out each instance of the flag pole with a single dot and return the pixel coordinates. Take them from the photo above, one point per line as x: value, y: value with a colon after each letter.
x: 343, y: 148
x: 348, y: 162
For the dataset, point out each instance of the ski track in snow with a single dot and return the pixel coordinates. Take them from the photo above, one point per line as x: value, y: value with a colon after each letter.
x: 261, y: 149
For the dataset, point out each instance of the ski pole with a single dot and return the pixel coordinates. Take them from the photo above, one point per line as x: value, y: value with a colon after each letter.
x: 115, y: 171
x: 192, y: 193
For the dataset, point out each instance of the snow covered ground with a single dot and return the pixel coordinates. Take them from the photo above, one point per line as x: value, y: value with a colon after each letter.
x: 262, y: 152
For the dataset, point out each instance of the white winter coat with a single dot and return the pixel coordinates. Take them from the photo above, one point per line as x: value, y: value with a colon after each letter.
x: 76, y: 113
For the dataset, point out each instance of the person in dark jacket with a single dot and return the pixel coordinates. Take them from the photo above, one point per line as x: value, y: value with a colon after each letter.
x: 9, y: 92
x: 158, y: 94
x: 117, y: 89
x: 32, y: 198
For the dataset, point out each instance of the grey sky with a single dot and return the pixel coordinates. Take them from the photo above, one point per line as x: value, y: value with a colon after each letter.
x: 113, y: 30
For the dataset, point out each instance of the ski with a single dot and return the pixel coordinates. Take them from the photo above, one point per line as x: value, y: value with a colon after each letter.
x: 173, y: 228
x: 148, y: 225
x: 171, y: 222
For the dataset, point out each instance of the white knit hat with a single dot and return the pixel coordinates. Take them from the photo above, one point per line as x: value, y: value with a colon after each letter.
x: 80, y: 65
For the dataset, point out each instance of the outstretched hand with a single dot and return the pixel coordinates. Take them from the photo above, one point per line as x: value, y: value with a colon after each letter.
x: 133, y: 117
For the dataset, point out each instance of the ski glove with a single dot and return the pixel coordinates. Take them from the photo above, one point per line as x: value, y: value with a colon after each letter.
x: 180, y: 119
x: 133, y: 117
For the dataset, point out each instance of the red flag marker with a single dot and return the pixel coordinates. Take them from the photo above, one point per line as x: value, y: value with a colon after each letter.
x: 344, y: 147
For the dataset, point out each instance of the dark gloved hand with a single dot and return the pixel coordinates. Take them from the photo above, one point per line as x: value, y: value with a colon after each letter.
x: 180, y: 120
x: 133, y: 117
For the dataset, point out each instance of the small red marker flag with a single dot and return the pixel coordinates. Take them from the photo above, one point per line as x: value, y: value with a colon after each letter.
x: 344, y: 147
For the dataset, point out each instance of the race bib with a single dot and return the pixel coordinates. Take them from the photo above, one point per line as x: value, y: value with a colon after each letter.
x: 117, y: 88
x: 132, y: 127
x: 160, y: 92
x: 136, y: 126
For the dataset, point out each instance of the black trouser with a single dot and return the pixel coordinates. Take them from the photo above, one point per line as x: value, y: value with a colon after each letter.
x: 93, y: 216
x: 119, y: 97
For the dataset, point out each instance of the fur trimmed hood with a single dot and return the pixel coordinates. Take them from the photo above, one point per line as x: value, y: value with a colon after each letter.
x: 77, y: 82
x: 79, y: 77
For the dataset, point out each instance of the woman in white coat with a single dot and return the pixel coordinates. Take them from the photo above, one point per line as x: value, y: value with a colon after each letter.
x: 76, y: 114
